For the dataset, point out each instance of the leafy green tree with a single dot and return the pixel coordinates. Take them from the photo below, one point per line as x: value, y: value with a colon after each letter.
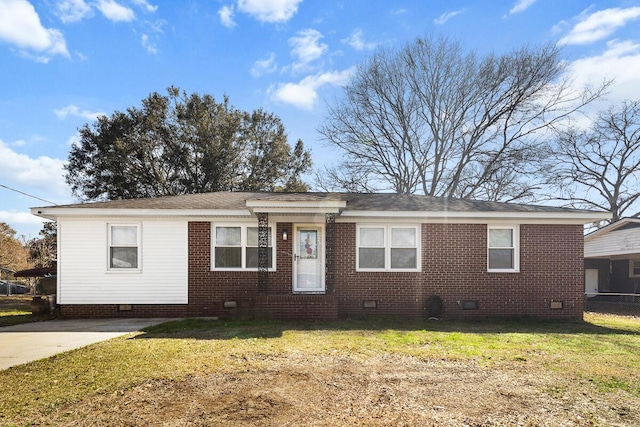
x: 182, y: 144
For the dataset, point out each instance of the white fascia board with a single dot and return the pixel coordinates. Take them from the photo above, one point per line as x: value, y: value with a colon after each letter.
x: 53, y: 212
x: 295, y: 210
x: 565, y: 217
x: 609, y: 228
x: 294, y: 205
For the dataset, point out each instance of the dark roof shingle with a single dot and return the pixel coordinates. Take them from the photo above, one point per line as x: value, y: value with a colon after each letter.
x: 225, y: 200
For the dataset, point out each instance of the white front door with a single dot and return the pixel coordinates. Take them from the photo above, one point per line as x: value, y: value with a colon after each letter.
x: 591, y: 282
x: 308, y: 259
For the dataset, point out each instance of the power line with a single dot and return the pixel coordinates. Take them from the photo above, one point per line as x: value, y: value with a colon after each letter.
x: 28, y: 195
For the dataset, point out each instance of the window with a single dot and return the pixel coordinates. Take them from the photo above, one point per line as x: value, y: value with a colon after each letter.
x: 502, y: 249
x: 383, y: 248
x: 634, y: 268
x: 235, y: 247
x: 124, y: 246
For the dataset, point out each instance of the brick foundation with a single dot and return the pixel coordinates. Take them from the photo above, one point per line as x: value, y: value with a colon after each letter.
x: 308, y: 307
x: 98, y: 311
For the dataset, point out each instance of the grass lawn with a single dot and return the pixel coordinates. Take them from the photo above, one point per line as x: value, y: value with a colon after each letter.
x: 15, y: 309
x: 349, y: 372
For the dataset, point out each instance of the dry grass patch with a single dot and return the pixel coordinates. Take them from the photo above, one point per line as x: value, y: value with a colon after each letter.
x: 377, y: 372
x: 15, y: 309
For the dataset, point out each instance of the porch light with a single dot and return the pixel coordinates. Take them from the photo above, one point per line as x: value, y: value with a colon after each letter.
x: 285, y: 234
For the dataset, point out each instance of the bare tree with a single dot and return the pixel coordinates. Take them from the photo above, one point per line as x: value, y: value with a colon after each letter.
x: 599, y: 168
x: 433, y: 119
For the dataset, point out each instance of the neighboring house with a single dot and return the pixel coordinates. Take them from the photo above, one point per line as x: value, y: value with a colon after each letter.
x: 612, y: 259
x: 318, y: 256
x: 5, y: 273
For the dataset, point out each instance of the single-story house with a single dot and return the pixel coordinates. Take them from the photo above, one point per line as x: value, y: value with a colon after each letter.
x: 318, y: 256
x: 612, y: 259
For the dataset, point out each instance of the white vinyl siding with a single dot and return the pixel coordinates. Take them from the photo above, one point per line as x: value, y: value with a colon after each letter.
x: 503, y: 249
x: 387, y: 248
x: 83, y: 259
x: 617, y: 242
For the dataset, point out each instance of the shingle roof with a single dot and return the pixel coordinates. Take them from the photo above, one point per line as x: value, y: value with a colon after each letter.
x: 354, y: 201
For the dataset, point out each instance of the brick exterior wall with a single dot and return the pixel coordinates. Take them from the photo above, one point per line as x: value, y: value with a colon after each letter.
x: 454, y: 267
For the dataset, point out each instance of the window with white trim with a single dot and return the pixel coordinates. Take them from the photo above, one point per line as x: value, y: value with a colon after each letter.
x: 124, y: 246
x: 503, y: 248
x: 388, y: 248
x: 634, y: 268
x: 235, y: 247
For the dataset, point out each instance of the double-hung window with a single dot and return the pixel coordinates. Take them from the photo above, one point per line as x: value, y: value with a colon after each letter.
x: 503, y: 249
x: 388, y: 248
x: 124, y: 246
x: 235, y: 247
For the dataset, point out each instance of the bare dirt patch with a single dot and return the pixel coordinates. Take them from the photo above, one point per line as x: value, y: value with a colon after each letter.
x: 299, y: 389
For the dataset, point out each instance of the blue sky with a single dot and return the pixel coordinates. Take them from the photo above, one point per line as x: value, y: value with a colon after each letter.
x: 64, y: 62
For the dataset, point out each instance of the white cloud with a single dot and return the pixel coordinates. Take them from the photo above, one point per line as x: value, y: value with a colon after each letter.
x: 306, y: 47
x: 20, y: 26
x: 74, y: 110
x: 12, y: 217
x: 305, y: 93
x: 226, y: 16
x: 356, y: 41
x: 44, y: 174
x: 114, y: 11
x: 446, y: 16
x: 73, y: 10
x: 148, y: 44
x: 264, y: 66
x: 272, y: 11
x: 19, y: 143
x: 600, y: 25
x: 521, y: 6
x: 145, y: 5
x: 620, y: 61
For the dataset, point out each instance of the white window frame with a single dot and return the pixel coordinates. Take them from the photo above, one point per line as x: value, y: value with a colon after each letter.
x: 631, y: 268
x: 138, y: 227
x: 243, y: 245
x: 387, y: 247
x: 516, y: 248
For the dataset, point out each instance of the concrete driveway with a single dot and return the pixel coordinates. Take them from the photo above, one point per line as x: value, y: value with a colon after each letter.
x: 32, y: 341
